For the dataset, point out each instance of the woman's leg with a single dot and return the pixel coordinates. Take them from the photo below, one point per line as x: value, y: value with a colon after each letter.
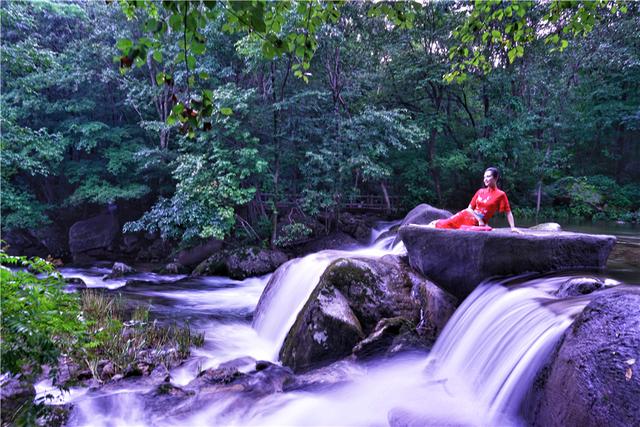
x: 458, y: 220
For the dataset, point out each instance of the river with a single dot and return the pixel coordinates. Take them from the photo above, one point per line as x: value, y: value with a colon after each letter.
x: 477, y: 373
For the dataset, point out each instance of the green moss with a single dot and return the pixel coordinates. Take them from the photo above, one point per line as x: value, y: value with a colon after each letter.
x: 344, y: 273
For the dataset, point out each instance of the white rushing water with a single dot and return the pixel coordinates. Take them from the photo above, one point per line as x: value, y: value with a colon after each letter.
x: 477, y: 373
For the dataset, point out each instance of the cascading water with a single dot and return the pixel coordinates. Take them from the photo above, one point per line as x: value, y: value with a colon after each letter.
x: 476, y: 374
x: 292, y: 284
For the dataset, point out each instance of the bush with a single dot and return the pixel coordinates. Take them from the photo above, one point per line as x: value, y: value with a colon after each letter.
x: 292, y: 234
x: 39, y: 320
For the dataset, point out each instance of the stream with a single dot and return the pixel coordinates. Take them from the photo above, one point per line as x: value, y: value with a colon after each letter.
x: 477, y: 373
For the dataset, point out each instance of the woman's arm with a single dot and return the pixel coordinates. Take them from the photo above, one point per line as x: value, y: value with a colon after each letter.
x: 512, y: 223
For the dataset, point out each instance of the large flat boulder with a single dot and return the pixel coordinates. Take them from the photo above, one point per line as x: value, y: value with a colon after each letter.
x: 459, y: 260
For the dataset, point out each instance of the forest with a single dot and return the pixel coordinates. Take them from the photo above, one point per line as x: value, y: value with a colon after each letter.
x: 206, y: 127
x: 202, y: 203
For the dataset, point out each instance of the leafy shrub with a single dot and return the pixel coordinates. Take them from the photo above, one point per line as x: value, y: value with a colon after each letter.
x: 292, y: 233
x: 39, y: 320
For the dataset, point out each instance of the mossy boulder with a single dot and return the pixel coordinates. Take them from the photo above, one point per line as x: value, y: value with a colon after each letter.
x: 326, y: 330
x: 241, y: 263
x: 351, y: 299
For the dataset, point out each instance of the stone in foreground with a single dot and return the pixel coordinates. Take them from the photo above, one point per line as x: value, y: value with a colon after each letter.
x: 594, y: 376
x: 459, y: 260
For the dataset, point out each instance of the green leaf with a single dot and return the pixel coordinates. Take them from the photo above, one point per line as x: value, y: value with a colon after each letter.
x: 175, y: 22
x: 157, y: 56
x: 191, y: 62
x: 160, y: 78
x: 198, y: 48
x: 226, y: 111
x: 124, y: 45
x: 177, y: 109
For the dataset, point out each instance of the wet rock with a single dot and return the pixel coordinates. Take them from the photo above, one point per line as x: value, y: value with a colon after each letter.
x: 108, y: 370
x: 325, y: 330
x: 241, y: 363
x: 386, y: 336
x: 174, y: 268
x: 271, y: 379
x: 158, y: 250
x: 119, y: 269
x: 241, y: 263
x: 54, y: 238
x: 375, y: 289
x: 20, y: 242
x: 99, y: 232
x: 168, y: 389
x: 437, y: 307
x: 458, y: 260
x: 547, y: 226
x: 214, y: 376
x: 193, y: 256
x: 337, y: 240
x: 593, y: 378
x: 75, y: 281
x: 422, y: 214
x: 131, y: 242
x: 323, y: 378
x: 579, y: 286
x: 357, y: 226
x: 14, y: 393
x: 352, y: 296
x: 626, y: 253
x: 68, y: 372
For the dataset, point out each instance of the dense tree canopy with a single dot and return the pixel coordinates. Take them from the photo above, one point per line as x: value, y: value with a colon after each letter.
x: 199, y: 118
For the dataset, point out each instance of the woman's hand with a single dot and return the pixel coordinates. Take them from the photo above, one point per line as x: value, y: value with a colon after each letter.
x: 515, y: 230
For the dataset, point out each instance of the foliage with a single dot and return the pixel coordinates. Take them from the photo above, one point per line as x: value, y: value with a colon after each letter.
x: 211, y: 182
x: 292, y: 233
x: 209, y: 114
x: 496, y: 32
x: 40, y: 321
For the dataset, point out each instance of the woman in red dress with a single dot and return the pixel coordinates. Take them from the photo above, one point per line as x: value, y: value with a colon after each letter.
x: 484, y: 204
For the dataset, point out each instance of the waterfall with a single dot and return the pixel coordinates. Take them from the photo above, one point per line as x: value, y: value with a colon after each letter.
x: 292, y: 283
x: 499, y: 338
x: 477, y: 373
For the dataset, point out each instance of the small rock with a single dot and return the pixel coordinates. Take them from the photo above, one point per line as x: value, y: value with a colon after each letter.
x: 174, y: 268
x: 579, y: 286
x: 75, y: 281
x: 119, y: 269
x: 547, y: 226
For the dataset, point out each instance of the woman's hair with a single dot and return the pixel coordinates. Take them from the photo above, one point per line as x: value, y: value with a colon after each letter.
x: 494, y: 172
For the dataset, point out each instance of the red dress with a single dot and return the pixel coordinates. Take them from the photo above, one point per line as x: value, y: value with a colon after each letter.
x: 485, y: 203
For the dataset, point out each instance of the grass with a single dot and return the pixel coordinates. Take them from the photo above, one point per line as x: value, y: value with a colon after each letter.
x: 128, y: 341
